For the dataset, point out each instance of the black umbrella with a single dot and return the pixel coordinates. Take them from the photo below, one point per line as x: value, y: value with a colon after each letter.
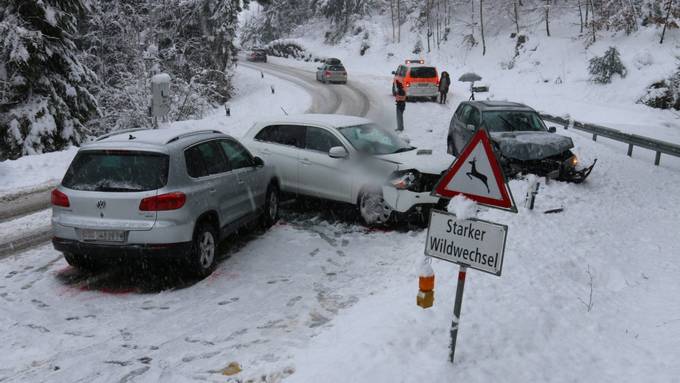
x: 471, y: 78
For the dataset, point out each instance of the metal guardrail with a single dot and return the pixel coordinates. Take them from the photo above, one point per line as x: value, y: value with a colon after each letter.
x: 631, y: 139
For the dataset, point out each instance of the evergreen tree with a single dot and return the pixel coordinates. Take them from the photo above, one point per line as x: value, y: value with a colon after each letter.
x: 44, y: 86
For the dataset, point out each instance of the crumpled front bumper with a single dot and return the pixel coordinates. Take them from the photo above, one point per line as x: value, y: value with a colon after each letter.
x: 576, y: 176
x: 403, y: 200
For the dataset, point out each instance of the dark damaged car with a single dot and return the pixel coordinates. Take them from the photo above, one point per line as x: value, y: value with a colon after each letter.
x: 520, y: 139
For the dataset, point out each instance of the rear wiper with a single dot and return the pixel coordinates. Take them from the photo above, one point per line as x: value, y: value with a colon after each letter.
x: 114, y: 189
x: 105, y: 187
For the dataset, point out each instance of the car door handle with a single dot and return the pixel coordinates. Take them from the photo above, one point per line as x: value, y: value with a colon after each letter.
x: 305, y: 161
x: 212, y: 191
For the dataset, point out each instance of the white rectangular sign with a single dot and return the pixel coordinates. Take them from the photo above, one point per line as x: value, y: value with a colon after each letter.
x: 470, y: 242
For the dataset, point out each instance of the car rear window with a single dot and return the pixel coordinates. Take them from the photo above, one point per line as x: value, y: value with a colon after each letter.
x: 337, y: 68
x: 423, y: 72
x: 117, y: 171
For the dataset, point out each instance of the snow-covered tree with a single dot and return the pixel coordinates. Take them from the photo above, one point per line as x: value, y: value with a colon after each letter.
x: 44, y: 87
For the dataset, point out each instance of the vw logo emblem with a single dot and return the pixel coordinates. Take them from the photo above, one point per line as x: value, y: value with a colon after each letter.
x: 101, y: 204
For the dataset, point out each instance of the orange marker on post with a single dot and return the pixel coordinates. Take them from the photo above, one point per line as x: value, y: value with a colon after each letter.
x: 425, y: 297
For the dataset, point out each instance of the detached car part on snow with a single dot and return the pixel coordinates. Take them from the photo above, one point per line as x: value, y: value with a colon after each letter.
x: 520, y: 139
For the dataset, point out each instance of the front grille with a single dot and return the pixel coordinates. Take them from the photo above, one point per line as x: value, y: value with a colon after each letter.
x: 425, y: 183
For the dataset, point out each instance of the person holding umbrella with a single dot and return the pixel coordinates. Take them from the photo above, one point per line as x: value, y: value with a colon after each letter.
x: 444, y: 83
x: 471, y: 78
x: 400, y: 98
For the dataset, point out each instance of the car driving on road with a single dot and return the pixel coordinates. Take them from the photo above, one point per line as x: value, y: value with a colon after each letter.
x: 331, y: 73
x: 419, y: 80
x: 166, y: 193
x: 349, y: 159
x: 257, y: 55
x: 520, y: 139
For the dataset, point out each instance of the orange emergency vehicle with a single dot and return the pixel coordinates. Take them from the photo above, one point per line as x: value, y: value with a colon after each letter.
x: 419, y: 80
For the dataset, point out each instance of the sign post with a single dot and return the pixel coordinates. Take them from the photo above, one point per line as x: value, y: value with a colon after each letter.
x: 470, y: 243
x: 456, y: 310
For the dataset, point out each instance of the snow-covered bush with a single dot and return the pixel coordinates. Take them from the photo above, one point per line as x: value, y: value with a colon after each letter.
x: 643, y: 58
x: 418, y: 47
x: 603, y: 68
x: 664, y: 94
x: 289, y: 49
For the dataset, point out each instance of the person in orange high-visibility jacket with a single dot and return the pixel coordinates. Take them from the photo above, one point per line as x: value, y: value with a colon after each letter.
x: 400, y: 98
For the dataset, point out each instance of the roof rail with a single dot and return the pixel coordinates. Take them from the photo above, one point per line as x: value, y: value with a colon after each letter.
x: 192, y: 133
x: 116, y: 132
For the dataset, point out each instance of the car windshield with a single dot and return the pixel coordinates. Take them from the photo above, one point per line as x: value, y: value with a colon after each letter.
x: 423, y: 72
x: 372, y: 139
x: 117, y: 171
x: 509, y: 121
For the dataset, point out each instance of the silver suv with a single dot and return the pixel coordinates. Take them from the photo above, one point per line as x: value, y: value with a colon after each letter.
x: 162, y: 193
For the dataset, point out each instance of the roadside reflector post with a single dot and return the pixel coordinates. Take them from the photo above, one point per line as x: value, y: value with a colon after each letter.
x: 425, y: 297
x: 531, y: 194
x: 456, y: 310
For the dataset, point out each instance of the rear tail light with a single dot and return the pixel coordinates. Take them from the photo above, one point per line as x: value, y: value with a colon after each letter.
x: 59, y: 199
x: 328, y: 73
x: 169, y: 201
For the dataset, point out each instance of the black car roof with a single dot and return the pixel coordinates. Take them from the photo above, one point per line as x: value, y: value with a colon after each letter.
x: 500, y: 105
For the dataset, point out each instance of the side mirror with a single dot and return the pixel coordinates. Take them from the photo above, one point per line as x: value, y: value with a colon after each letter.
x: 393, y: 72
x: 338, y: 152
x: 470, y: 127
x: 258, y: 162
x: 552, y: 129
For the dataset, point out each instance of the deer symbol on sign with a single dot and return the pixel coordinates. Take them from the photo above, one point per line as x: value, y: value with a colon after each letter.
x: 474, y: 173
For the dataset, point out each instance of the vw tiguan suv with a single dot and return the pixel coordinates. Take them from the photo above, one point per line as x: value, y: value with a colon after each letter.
x: 159, y: 193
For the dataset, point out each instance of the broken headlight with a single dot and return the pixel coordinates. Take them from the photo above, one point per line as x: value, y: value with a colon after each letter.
x: 404, y: 179
x: 571, y: 162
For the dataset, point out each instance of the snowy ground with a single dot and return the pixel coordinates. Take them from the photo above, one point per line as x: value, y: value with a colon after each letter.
x: 317, y: 299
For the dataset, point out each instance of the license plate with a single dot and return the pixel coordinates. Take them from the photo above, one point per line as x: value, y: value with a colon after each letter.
x: 103, y: 235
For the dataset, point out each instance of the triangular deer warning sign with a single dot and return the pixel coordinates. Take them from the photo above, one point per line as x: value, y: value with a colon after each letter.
x: 477, y: 175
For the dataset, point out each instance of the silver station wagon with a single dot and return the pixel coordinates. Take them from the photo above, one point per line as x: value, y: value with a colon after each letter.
x: 160, y: 193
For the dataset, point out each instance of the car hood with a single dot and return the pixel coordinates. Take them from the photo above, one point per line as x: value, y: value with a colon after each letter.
x: 525, y: 146
x: 422, y: 160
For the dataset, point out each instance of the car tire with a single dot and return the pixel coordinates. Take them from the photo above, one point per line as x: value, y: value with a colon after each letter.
x: 202, y: 259
x: 271, y: 207
x: 81, y: 261
x: 433, y: 98
x: 373, y: 209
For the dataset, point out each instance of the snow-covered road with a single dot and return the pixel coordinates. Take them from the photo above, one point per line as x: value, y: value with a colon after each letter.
x: 349, y: 99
